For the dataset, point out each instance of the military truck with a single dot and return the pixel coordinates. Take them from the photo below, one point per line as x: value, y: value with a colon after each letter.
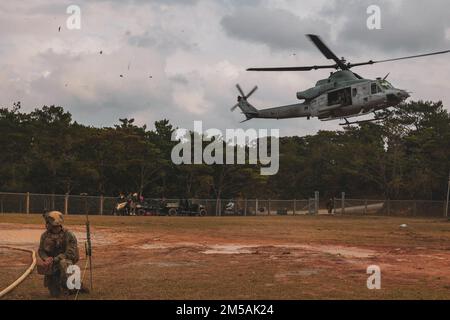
x: 183, y: 207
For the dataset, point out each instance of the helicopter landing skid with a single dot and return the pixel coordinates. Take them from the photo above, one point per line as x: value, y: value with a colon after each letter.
x: 377, y: 118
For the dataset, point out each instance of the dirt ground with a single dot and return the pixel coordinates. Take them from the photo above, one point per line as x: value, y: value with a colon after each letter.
x: 299, y: 257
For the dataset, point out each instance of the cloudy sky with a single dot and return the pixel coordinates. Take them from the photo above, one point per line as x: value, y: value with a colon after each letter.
x: 180, y: 59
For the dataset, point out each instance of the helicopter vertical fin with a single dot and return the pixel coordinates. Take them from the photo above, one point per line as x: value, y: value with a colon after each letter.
x: 247, y: 109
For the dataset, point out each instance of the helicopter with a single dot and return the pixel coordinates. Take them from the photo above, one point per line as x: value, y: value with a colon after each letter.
x: 344, y: 94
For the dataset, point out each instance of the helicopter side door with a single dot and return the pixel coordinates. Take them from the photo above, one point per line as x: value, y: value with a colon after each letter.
x: 340, y: 97
x: 360, y: 94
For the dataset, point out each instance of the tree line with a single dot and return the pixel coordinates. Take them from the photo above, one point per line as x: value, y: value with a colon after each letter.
x: 405, y: 156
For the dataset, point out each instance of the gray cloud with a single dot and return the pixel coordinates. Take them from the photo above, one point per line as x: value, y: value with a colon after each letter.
x: 407, y: 26
x: 160, y: 40
x: 276, y: 28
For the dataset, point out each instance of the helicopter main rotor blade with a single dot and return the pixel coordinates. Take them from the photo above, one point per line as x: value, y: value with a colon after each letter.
x: 251, y: 92
x: 396, y: 59
x: 309, y: 68
x: 240, y: 90
x: 326, y: 51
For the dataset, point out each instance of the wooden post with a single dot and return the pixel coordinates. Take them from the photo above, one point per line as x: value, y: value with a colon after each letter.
x: 27, y: 203
x: 101, y: 204
x: 66, y: 204
x: 343, y: 203
x: 365, y: 207
x: 245, y: 207
x: 269, y: 207
x: 295, y: 207
x: 257, y: 207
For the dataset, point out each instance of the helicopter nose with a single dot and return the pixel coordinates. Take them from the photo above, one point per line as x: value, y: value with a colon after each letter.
x: 403, y: 94
x: 397, y: 96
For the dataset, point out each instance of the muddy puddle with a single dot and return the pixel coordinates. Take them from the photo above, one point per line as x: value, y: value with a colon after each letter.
x: 235, y: 249
x: 229, y: 249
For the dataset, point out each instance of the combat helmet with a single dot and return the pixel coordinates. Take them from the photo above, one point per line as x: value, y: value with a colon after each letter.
x: 54, y: 218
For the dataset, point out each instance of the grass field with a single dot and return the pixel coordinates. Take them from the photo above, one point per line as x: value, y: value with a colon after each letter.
x: 301, y: 257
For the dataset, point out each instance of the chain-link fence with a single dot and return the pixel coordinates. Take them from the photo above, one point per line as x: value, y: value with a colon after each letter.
x: 30, y: 203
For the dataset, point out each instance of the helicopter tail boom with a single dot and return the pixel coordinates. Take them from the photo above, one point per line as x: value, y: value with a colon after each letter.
x: 248, y: 110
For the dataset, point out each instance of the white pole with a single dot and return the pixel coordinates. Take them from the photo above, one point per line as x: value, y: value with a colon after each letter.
x: 448, y: 195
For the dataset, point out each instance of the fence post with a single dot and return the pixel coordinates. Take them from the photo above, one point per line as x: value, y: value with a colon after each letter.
x: 343, y: 203
x: 445, y: 209
x: 257, y: 207
x: 245, y: 207
x: 365, y: 207
x: 27, y: 203
x: 101, y: 204
x: 66, y: 204
x: 269, y: 207
x: 316, y: 202
x: 388, y: 207
x: 333, y: 211
x: 295, y: 207
x: 53, y: 201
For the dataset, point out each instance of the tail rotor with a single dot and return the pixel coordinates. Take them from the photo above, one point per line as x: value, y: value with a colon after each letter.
x: 243, y: 96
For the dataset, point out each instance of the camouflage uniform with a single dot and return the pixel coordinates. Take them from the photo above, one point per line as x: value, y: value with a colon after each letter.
x: 62, y: 247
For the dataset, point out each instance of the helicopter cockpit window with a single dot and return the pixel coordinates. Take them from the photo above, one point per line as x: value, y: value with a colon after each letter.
x: 374, y: 88
x: 385, y: 85
x: 354, y: 92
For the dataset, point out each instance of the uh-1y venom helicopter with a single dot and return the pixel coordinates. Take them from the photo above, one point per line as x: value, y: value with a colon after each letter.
x: 343, y: 95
